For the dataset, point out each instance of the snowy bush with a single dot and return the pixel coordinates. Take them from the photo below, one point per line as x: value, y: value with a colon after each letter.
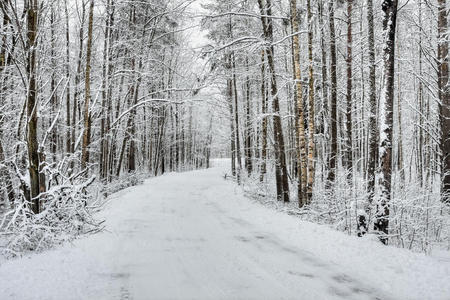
x: 65, y: 213
x: 419, y: 221
x: 122, y: 182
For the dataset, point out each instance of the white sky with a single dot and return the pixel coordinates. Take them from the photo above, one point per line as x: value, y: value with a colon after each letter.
x: 196, y: 36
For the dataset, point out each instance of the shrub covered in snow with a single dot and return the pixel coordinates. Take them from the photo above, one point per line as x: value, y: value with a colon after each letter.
x: 419, y: 221
x: 65, y: 213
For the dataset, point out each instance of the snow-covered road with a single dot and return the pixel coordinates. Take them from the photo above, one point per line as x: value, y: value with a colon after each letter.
x: 194, y: 236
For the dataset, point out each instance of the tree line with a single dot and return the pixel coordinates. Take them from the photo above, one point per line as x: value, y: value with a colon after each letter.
x: 346, y: 102
x: 98, y: 88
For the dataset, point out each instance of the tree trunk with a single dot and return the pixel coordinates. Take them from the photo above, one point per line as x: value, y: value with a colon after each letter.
x: 4, y: 171
x: 324, y: 127
x: 349, y: 144
x: 232, y: 132
x: 32, y: 107
x: 236, y: 117
x: 386, y: 105
x: 53, y: 92
x: 333, y: 121
x: 67, y: 67
x: 311, y: 115
x: 78, y: 75
x: 248, y: 124
x: 301, y: 151
x: 282, y: 179
x: 105, y: 81
x: 87, y: 97
x: 373, y: 131
x: 444, y: 93
x: 420, y: 107
x: 264, y: 101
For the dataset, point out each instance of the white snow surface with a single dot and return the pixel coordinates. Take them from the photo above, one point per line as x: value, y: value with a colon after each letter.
x: 194, y: 235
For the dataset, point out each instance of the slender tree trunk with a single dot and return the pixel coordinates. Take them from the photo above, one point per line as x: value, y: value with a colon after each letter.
x: 32, y: 107
x: 232, y: 132
x: 282, y: 179
x: 333, y: 121
x: 349, y: 144
x: 301, y: 151
x: 444, y: 93
x: 105, y: 79
x: 311, y: 115
x: 400, y: 168
x: 364, y: 219
x: 78, y: 75
x: 386, y: 105
x: 373, y: 131
x: 264, y: 101
x: 4, y: 171
x: 248, y: 124
x: 324, y: 128
x: 54, y: 97
x: 236, y: 117
x: 109, y: 144
x: 87, y: 97
x: 132, y: 146
x: 420, y: 107
x: 67, y: 67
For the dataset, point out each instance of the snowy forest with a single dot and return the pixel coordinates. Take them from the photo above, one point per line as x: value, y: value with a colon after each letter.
x: 331, y: 112
x: 335, y: 111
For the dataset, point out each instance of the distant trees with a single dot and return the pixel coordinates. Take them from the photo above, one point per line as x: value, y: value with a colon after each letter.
x: 105, y: 88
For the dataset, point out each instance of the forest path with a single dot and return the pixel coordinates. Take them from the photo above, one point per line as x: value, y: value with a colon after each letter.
x: 194, y: 236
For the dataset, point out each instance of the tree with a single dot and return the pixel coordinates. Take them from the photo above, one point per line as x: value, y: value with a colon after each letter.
x: 87, y: 92
x: 5, y: 174
x: 264, y: 101
x: 444, y: 97
x: 280, y: 155
x: 373, y: 132
x: 301, y: 151
x: 311, y: 113
x: 333, y: 115
x: 36, y: 178
x: 389, y: 8
x: 349, y: 144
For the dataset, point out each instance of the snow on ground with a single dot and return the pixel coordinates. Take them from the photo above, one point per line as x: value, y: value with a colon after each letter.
x: 194, y: 235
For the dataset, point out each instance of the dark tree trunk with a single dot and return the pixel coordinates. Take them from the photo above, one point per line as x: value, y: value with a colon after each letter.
x: 333, y: 121
x: 78, y: 77
x: 67, y: 67
x: 444, y: 95
x: 236, y: 117
x: 248, y: 124
x: 280, y: 156
x: 386, y: 104
x: 232, y: 132
x: 373, y: 131
x: 32, y: 104
x: 349, y: 144
x: 264, y: 117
